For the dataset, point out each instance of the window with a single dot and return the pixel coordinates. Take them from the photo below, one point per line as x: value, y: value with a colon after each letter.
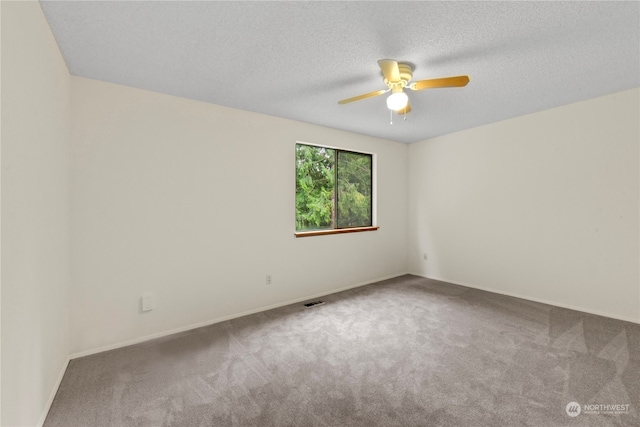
x: 334, y: 191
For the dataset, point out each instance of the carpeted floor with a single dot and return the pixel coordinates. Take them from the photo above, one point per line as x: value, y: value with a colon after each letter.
x: 404, y: 352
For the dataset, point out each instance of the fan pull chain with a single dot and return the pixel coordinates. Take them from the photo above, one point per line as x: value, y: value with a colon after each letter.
x: 404, y: 117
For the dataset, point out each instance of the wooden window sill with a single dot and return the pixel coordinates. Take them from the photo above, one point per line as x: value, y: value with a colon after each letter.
x: 334, y: 231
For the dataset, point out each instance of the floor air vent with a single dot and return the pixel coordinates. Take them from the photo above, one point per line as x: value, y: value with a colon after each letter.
x: 313, y: 304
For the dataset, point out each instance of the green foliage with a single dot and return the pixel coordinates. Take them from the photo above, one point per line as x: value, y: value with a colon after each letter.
x: 315, y: 184
x: 354, y: 189
x: 316, y: 188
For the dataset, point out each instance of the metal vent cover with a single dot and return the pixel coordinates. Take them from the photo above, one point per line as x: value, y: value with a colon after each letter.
x: 313, y: 304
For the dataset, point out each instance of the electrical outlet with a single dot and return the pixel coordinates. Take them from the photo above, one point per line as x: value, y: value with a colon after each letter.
x: 424, y: 256
x: 268, y: 279
x: 147, y: 302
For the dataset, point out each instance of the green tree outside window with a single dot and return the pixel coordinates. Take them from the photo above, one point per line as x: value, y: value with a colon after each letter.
x: 333, y: 188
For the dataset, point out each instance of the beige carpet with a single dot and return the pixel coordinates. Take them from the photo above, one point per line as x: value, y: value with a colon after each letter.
x: 403, y: 352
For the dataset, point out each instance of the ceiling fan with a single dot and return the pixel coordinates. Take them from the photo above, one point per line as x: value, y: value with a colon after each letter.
x: 397, y: 76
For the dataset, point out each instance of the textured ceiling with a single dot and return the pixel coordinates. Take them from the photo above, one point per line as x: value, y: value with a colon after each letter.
x: 297, y: 59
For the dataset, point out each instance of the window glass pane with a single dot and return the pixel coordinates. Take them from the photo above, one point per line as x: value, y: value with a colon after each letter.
x: 354, y: 189
x: 315, y: 187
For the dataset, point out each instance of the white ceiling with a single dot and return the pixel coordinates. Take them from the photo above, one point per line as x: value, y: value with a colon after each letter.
x: 297, y: 59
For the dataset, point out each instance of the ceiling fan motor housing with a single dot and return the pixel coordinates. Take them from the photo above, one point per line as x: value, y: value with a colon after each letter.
x: 406, y: 74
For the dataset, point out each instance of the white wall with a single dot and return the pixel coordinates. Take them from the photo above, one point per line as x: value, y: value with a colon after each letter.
x: 35, y: 214
x: 543, y: 206
x: 194, y: 203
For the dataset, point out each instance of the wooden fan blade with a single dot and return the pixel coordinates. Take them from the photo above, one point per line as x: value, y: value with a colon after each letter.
x: 365, y: 96
x: 405, y: 110
x: 457, y: 81
x: 390, y: 69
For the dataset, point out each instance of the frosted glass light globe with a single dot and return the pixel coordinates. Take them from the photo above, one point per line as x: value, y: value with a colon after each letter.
x: 397, y: 101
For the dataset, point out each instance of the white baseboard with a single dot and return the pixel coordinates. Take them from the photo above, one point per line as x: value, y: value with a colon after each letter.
x: 52, y: 396
x: 222, y: 319
x: 540, y: 300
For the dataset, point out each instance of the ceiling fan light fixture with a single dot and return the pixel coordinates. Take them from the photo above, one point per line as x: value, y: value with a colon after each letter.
x: 397, y: 77
x: 397, y: 101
